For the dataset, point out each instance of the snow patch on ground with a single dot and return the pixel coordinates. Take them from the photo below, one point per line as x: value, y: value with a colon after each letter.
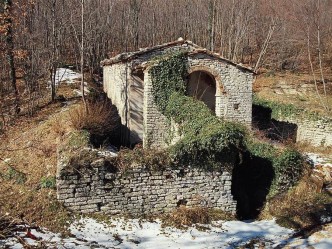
x: 121, y: 233
x: 133, y: 233
x: 66, y: 75
x: 316, y: 159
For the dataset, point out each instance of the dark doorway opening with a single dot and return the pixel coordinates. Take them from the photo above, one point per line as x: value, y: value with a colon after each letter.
x: 251, y: 184
x: 202, y: 86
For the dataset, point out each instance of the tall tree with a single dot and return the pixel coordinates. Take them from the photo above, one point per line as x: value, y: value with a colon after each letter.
x: 8, y: 22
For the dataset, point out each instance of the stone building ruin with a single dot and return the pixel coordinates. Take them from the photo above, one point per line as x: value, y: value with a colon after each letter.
x: 224, y: 86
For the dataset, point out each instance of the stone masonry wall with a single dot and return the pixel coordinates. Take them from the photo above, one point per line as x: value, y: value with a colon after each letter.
x: 233, y: 87
x: 101, y: 188
x: 314, y: 132
x: 156, y: 126
x: 233, y: 92
x: 115, y: 86
x: 233, y: 99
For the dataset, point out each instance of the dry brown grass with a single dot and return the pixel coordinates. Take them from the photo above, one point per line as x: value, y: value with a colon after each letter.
x: 31, y: 147
x: 264, y: 84
x: 300, y: 207
x: 99, y: 118
x: 183, y: 217
x: 306, y: 147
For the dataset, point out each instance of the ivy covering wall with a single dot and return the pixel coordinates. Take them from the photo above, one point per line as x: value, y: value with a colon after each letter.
x: 282, y: 110
x: 208, y: 141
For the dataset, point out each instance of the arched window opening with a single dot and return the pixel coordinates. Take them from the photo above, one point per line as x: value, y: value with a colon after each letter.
x: 202, y: 86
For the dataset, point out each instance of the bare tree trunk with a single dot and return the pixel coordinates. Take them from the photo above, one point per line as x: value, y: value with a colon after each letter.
x: 312, y: 69
x: 211, y: 27
x: 54, y: 62
x: 82, y: 58
x: 265, y: 45
x: 319, y: 47
x: 10, y: 51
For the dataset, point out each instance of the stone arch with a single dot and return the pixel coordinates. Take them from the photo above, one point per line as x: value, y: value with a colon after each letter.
x: 204, y: 83
x: 220, y: 90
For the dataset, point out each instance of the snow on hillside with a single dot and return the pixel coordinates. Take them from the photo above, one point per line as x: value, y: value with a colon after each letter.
x: 121, y: 233
x: 66, y: 75
x: 132, y: 233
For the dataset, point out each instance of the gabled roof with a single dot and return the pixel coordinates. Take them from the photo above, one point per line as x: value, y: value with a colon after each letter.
x: 123, y: 57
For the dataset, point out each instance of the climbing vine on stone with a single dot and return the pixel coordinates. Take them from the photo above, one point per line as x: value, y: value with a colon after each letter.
x: 167, y: 78
x: 207, y: 141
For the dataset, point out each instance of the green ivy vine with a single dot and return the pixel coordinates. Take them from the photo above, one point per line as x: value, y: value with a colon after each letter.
x: 207, y: 141
x: 281, y: 110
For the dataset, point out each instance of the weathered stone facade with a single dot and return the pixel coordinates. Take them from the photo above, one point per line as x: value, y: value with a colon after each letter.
x: 100, y: 187
x: 314, y: 132
x: 138, y: 112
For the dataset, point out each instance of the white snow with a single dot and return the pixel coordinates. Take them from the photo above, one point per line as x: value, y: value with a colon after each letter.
x: 133, y: 233
x: 318, y: 160
x: 66, y: 75
x: 121, y: 233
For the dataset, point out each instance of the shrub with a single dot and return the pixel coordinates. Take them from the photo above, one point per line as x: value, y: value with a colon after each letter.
x: 13, y: 174
x: 48, y: 182
x: 151, y: 159
x: 288, y: 164
x: 100, y: 119
x: 206, y: 141
x: 301, y: 206
x: 289, y: 167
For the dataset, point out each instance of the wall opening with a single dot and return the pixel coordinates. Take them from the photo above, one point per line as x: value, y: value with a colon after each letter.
x: 202, y: 86
x: 251, y: 184
x: 275, y: 130
x: 136, y: 102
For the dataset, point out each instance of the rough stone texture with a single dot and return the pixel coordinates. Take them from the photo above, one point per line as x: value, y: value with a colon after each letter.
x: 100, y: 188
x: 315, y: 132
x: 233, y: 90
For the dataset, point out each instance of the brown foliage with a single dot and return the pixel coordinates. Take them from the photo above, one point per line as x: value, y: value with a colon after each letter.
x: 184, y: 216
x: 99, y: 118
x: 301, y: 207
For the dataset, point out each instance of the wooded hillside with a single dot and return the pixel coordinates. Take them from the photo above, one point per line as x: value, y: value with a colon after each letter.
x: 39, y: 36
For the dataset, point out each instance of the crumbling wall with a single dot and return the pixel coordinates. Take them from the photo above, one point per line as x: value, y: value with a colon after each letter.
x: 100, y: 187
x: 233, y: 99
x: 233, y: 92
x: 116, y: 86
x: 315, y: 132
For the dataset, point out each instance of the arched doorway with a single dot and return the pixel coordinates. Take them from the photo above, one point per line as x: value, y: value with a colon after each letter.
x: 202, y: 86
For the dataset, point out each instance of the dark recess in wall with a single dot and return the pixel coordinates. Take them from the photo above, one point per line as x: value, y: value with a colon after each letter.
x: 273, y: 129
x: 251, y: 183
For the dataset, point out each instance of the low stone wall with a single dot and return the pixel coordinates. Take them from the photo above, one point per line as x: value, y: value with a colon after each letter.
x: 99, y: 187
x: 314, y: 132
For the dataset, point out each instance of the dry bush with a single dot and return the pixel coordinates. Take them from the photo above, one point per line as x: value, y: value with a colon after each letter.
x: 151, y: 159
x: 182, y: 217
x: 100, y: 119
x: 7, y: 227
x: 58, y: 127
x: 300, y: 207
